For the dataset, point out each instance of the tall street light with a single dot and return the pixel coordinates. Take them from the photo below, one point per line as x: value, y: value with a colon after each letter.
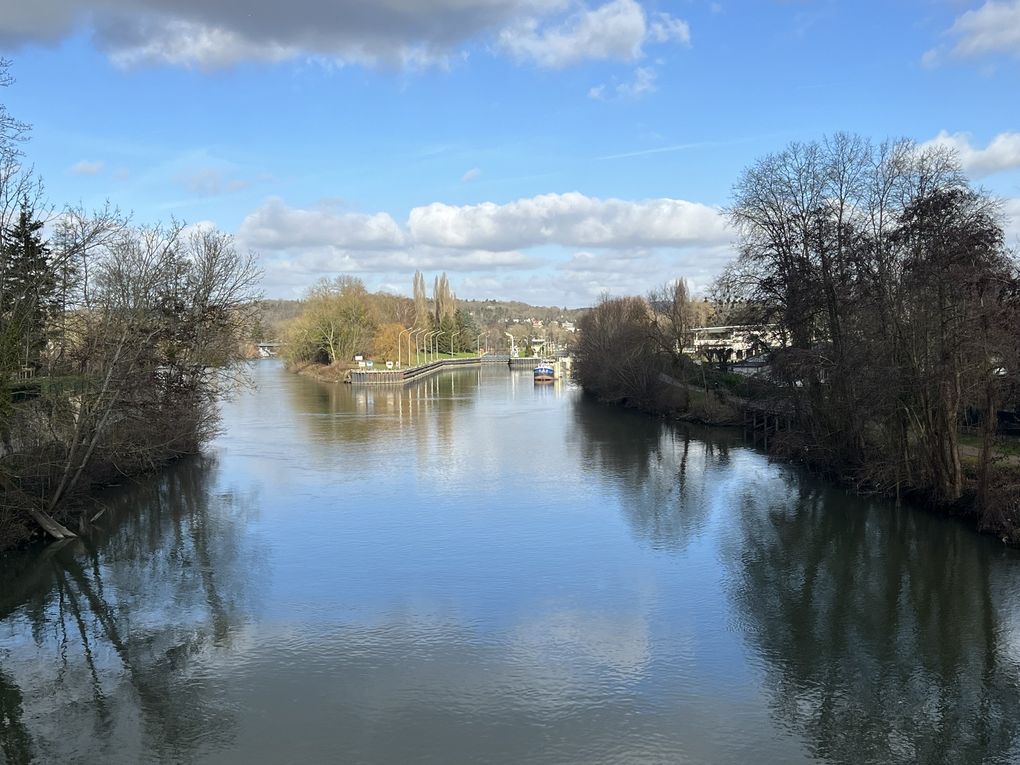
x: 413, y: 334
x: 419, y: 342
x: 430, y: 345
x: 425, y: 343
x: 400, y: 334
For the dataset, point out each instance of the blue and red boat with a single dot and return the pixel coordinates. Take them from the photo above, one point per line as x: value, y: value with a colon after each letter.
x: 545, y: 372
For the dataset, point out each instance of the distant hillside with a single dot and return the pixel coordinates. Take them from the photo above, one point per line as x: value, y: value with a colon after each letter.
x: 275, y: 314
x: 493, y: 311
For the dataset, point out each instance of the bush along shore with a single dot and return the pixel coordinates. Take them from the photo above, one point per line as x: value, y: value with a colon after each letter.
x: 877, y: 295
x: 116, y: 342
x: 115, y: 368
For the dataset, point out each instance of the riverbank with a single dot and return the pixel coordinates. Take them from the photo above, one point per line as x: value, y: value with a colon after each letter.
x: 34, y: 459
x: 336, y: 373
x: 717, y: 407
x: 327, y: 373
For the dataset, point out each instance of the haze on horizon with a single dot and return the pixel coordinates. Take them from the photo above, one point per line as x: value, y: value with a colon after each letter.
x: 537, y: 150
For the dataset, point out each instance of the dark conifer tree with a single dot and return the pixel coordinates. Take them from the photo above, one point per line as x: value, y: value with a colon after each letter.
x: 28, y: 285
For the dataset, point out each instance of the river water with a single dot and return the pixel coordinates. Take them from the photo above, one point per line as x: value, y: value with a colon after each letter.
x: 476, y: 569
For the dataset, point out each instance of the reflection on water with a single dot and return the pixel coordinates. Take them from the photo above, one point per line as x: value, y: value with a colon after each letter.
x: 102, y: 644
x: 478, y: 569
x: 885, y: 632
x: 361, y: 414
x: 665, y: 474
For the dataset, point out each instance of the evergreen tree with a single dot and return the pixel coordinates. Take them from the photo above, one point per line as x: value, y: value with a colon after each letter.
x: 466, y: 330
x: 28, y: 286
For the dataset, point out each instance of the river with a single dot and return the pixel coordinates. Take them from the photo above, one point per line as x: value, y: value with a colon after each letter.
x: 475, y: 569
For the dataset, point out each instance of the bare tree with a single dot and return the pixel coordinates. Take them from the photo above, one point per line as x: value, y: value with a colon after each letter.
x: 615, y: 357
x: 876, y: 266
x: 671, y: 317
x: 153, y: 343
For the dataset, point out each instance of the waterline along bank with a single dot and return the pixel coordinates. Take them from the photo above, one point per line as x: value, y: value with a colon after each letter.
x: 409, y: 374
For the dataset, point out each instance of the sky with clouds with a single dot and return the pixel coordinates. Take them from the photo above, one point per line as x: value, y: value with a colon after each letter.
x: 541, y: 150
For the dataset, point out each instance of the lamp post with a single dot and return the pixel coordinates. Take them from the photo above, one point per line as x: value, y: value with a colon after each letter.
x: 430, y: 345
x: 413, y: 333
x: 435, y: 344
x: 425, y: 343
x: 478, y: 344
x: 513, y: 344
x: 421, y: 340
x: 400, y: 334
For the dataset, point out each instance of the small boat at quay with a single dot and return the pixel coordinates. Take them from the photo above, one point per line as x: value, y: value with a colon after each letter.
x: 545, y: 372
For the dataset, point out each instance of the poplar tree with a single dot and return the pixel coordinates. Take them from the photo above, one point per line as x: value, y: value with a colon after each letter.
x: 421, y: 302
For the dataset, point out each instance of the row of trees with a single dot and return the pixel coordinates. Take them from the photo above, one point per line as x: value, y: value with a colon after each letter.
x: 115, y: 342
x: 341, y: 319
x: 626, y: 347
x: 895, y: 302
x: 890, y: 282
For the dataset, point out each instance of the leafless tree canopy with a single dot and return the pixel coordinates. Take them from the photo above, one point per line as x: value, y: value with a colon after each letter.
x: 672, y: 317
x: 617, y: 356
x: 888, y: 278
x: 144, y: 334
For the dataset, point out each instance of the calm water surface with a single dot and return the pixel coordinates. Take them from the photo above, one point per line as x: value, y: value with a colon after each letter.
x: 478, y: 570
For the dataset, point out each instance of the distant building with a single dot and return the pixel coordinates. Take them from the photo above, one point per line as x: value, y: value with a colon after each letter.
x: 732, y: 343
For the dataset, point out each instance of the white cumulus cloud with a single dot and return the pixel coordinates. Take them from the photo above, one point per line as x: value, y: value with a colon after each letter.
x: 618, y: 29
x: 993, y: 27
x: 666, y: 28
x: 642, y: 84
x: 571, y: 219
x: 1001, y: 153
x: 627, y: 244
x: 277, y: 226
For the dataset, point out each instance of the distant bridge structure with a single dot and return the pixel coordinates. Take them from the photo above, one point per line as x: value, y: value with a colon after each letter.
x: 268, y: 348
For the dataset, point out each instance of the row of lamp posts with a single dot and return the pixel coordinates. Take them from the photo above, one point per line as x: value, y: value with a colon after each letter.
x: 431, y: 338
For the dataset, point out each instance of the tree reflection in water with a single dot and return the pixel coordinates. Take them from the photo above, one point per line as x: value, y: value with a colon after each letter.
x: 118, y: 630
x: 365, y: 414
x: 15, y: 741
x: 665, y: 473
x: 880, y: 629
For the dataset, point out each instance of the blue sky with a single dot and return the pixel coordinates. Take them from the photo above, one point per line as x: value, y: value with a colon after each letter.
x: 543, y: 150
